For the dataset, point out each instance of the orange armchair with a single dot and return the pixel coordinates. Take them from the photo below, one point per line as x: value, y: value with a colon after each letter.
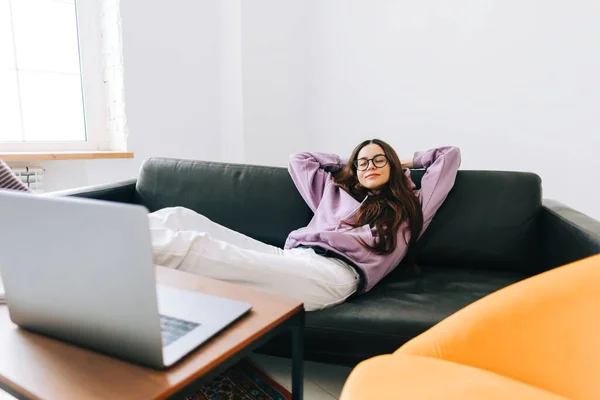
x: 536, y: 339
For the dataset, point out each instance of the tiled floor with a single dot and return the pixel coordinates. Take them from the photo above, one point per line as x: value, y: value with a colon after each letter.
x: 321, y: 381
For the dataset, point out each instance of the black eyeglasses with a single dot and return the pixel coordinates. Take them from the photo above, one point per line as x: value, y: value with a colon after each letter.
x: 379, y: 161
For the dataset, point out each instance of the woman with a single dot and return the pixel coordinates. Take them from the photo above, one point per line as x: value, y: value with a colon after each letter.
x: 366, y: 217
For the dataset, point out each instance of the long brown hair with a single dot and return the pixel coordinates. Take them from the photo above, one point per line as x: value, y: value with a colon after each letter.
x: 392, y: 205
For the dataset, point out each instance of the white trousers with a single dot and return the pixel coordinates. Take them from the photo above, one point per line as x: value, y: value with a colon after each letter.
x: 186, y: 240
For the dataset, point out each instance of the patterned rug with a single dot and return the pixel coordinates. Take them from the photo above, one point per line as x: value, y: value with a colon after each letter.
x: 243, y: 381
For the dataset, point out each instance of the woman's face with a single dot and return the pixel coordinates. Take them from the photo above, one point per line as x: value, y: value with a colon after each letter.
x: 372, y: 167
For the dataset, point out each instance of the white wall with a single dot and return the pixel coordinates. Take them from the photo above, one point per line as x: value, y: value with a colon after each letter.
x: 173, y: 53
x: 206, y: 80
x: 231, y: 81
x: 172, y: 91
x: 274, y: 54
x: 513, y: 83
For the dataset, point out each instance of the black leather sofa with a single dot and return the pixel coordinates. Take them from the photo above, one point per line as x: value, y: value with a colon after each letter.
x: 493, y: 230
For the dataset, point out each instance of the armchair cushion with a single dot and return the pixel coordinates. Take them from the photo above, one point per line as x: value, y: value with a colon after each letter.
x: 412, y: 377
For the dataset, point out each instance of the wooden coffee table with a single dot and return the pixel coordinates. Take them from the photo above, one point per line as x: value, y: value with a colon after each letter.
x: 33, y: 366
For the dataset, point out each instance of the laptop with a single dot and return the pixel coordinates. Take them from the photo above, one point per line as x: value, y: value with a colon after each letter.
x: 81, y: 271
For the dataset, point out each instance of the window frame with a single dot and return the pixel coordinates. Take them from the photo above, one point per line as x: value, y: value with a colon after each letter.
x: 95, y: 108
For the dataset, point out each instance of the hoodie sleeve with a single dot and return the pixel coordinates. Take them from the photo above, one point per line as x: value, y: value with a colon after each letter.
x: 310, y: 173
x: 441, y: 166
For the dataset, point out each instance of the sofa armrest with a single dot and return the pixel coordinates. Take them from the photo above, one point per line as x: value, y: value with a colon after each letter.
x: 122, y: 192
x: 567, y: 235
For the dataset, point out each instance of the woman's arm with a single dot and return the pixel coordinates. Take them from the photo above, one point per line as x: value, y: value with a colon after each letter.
x: 310, y: 172
x: 441, y: 166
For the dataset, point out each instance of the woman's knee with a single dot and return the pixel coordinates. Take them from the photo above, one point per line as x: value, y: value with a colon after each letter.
x: 181, y: 218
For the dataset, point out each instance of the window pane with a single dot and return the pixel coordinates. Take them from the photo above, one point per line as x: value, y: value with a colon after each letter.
x: 10, y: 122
x: 7, y: 52
x: 46, y: 35
x: 52, y: 106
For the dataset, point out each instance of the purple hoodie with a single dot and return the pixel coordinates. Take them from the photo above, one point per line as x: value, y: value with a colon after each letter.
x: 311, y: 172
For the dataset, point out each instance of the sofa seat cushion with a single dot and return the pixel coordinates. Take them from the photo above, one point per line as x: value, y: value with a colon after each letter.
x: 398, y: 309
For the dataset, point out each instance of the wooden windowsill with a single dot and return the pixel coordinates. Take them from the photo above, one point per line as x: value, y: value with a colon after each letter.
x: 63, y: 155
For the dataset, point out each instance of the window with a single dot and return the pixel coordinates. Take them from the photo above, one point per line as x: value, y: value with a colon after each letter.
x: 52, y: 95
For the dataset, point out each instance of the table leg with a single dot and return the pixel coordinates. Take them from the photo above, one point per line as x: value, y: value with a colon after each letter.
x: 298, y: 357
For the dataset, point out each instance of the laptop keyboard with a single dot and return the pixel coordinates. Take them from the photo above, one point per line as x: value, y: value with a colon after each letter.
x: 174, y: 328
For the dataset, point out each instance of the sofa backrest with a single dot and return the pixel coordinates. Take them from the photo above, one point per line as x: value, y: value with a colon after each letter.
x: 260, y: 202
x: 489, y: 219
